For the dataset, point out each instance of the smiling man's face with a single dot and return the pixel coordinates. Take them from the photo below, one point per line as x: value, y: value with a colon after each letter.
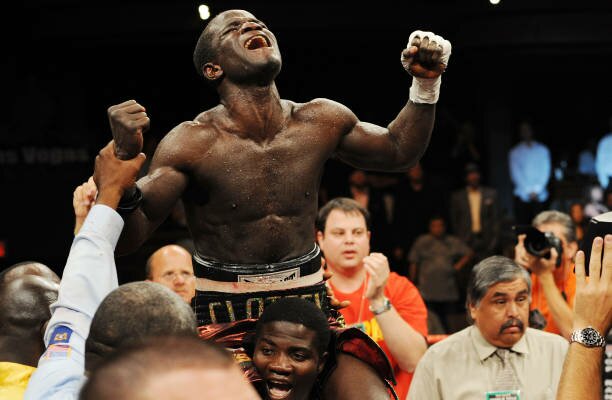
x: 346, y: 240
x: 503, y: 313
x: 287, y: 358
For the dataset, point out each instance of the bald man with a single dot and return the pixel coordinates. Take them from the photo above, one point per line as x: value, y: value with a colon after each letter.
x: 171, y: 266
x: 26, y: 291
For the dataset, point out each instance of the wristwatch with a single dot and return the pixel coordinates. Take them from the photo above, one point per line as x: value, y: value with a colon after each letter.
x: 386, y: 306
x: 588, y: 337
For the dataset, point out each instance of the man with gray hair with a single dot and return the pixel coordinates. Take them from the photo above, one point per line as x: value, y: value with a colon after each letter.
x: 498, y: 356
x: 554, y: 281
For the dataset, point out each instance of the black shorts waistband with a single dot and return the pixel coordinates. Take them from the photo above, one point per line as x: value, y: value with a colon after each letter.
x: 219, y: 307
x: 258, y: 273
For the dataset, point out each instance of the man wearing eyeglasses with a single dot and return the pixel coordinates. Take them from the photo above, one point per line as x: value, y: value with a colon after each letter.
x: 171, y: 266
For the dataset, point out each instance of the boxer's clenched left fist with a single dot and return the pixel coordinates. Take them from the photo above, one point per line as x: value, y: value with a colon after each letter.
x: 426, y: 55
x: 128, y: 122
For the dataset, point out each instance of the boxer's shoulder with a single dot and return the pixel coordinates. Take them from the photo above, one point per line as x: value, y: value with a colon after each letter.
x: 325, y: 112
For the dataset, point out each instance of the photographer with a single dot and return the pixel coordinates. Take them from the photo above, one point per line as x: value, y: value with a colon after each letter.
x: 554, y: 282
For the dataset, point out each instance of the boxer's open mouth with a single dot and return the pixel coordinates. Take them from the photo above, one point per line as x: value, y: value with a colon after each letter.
x: 257, y: 42
x: 278, y: 390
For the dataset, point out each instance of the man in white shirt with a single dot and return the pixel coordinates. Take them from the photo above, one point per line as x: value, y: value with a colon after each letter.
x: 603, y: 159
x: 530, y: 168
x: 89, y: 278
x: 498, y: 356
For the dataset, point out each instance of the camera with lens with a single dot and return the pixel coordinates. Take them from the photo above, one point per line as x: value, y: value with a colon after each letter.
x: 540, y: 243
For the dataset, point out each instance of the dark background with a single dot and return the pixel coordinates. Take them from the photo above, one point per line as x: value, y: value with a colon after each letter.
x: 68, y: 61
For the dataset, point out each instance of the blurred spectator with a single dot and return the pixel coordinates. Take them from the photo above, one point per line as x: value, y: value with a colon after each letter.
x: 499, y: 356
x: 25, y: 296
x: 586, y: 159
x: 169, y: 368
x: 554, y: 286
x: 372, y: 191
x: 465, y: 150
x: 435, y: 259
x: 417, y: 201
x: 603, y: 158
x: 608, y: 200
x: 530, y: 167
x: 385, y: 305
x: 172, y: 266
x: 595, y: 204
x: 474, y: 218
x: 287, y: 327
x: 576, y: 212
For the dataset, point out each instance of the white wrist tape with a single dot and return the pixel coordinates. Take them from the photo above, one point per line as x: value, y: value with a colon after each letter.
x: 425, y: 90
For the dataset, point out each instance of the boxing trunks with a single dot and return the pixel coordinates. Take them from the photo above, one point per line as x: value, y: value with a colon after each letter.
x: 229, y: 318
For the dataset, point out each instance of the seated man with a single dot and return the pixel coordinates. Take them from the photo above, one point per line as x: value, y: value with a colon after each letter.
x: 291, y: 343
x: 169, y: 368
x: 90, y: 307
x: 172, y: 267
x: 499, y: 356
x: 26, y: 292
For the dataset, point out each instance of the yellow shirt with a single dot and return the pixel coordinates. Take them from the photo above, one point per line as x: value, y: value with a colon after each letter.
x: 13, y: 380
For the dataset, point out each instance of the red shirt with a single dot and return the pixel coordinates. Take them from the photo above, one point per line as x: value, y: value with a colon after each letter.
x: 406, y: 299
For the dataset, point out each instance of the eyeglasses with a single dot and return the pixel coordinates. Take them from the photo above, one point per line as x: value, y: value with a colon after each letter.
x: 171, y: 276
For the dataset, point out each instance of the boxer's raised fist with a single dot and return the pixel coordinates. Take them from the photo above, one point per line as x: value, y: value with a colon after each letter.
x: 426, y: 55
x: 128, y: 122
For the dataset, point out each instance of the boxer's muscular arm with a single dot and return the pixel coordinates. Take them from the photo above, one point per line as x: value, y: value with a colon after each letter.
x: 161, y: 189
x: 402, y: 143
x: 395, y: 148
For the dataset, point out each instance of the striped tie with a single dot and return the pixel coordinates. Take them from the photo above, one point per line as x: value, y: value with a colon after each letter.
x: 506, y: 379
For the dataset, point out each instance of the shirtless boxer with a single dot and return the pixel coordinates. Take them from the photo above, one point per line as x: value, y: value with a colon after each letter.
x: 248, y: 170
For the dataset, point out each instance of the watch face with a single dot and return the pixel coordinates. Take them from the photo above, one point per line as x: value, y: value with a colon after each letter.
x: 590, y: 336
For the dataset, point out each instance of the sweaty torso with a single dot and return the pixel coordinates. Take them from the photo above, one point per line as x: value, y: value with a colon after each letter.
x: 252, y: 200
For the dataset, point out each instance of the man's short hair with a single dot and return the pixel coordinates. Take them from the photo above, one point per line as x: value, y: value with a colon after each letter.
x: 297, y: 311
x: 25, y: 301
x: 345, y: 204
x: 28, y: 268
x: 133, y: 312
x: 204, y: 51
x: 127, y: 371
x: 558, y: 217
x: 491, y: 271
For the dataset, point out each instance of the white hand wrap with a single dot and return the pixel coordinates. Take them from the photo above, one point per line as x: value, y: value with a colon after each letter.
x: 425, y: 90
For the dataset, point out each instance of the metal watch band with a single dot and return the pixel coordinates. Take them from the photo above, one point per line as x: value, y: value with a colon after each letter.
x: 588, y: 337
x: 386, y: 306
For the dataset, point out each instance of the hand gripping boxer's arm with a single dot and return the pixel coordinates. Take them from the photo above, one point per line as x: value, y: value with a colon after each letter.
x: 113, y: 177
x: 582, y: 371
x: 163, y: 185
x: 402, y: 143
x: 405, y: 343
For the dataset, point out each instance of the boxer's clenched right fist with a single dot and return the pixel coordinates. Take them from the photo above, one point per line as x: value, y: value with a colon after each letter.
x: 128, y: 122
